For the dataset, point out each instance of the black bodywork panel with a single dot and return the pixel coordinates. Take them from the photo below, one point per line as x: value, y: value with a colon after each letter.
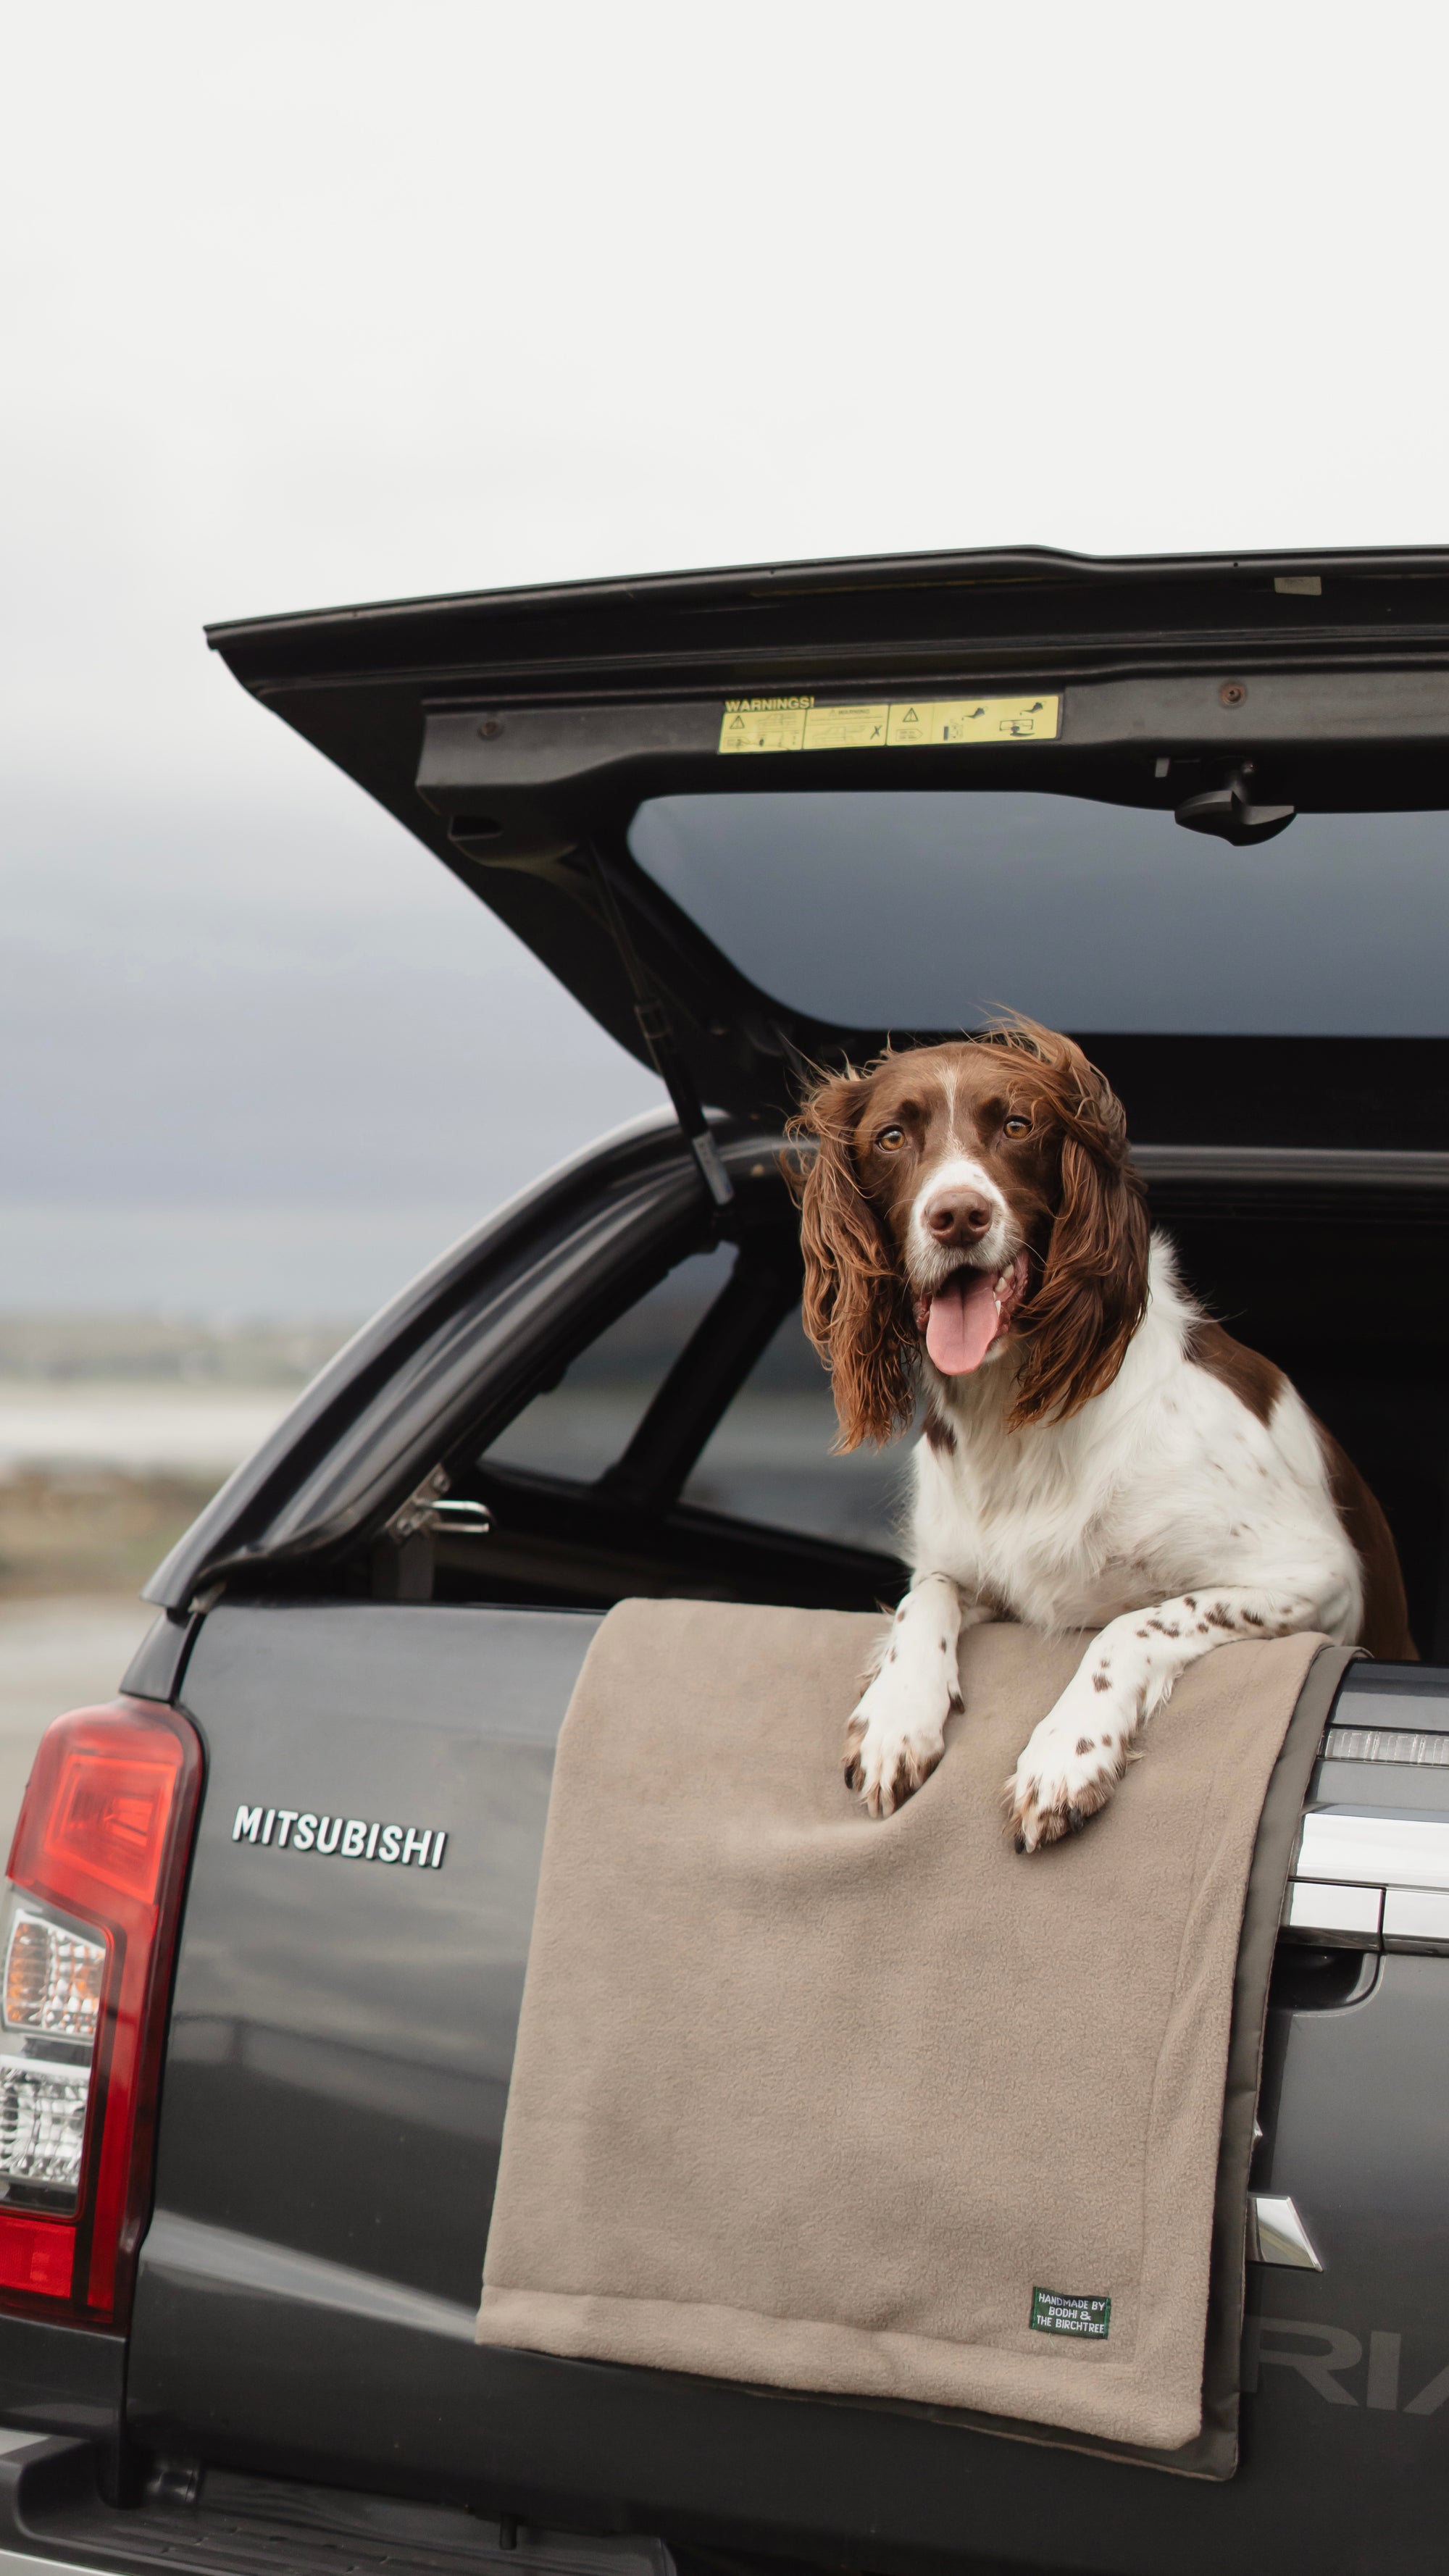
x: 62, y: 2379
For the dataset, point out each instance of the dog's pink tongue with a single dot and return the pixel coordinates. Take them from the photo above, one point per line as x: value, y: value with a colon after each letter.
x: 961, y: 1325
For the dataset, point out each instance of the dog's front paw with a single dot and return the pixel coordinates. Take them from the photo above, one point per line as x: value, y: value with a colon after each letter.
x: 1069, y: 1770
x: 897, y: 1735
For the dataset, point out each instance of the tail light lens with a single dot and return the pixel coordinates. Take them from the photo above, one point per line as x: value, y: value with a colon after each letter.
x: 87, y: 1935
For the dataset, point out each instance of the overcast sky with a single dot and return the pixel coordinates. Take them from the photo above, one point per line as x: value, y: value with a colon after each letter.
x: 310, y: 302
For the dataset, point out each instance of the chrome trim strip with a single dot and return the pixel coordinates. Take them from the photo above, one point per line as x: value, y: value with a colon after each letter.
x: 1370, y: 1880
x: 1384, y: 1744
x: 1374, y: 1847
x: 1417, y: 1918
x: 1347, y: 1916
x: 1276, y: 2234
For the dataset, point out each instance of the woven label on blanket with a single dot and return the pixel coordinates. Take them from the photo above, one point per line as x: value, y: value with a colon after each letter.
x: 1052, y: 2312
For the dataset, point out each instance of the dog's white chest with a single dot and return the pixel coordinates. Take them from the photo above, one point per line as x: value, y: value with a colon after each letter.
x: 1164, y: 1481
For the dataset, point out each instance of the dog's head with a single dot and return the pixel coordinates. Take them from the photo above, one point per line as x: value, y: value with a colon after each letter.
x: 966, y: 1201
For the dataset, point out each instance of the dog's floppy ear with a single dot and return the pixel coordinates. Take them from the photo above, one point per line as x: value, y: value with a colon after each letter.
x: 854, y: 1302
x: 1094, y: 1275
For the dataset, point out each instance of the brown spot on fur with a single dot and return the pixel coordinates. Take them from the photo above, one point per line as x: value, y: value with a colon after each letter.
x: 1218, y: 1617
x: 1141, y: 1632
x: 1385, y: 1629
x: 1084, y: 1744
x: 1102, y: 1681
x: 945, y: 1648
x: 1106, y: 1739
x: 1252, y: 1618
x: 940, y: 1435
x: 1052, y: 1823
x: 1188, y: 1602
x: 1202, y: 1627
x: 1255, y: 1382
x: 910, y: 1772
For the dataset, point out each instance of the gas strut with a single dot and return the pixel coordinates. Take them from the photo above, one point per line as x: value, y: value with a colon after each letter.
x: 658, y: 1035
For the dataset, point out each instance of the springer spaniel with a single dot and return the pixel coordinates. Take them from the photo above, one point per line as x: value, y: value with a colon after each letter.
x: 1097, y: 1453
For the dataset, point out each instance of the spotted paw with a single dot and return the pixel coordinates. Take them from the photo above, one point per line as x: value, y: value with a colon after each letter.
x: 1067, y: 1772
x: 887, y: 1769
x: 896, y: 1737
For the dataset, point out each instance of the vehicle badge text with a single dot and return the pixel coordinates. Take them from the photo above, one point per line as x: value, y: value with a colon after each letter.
x: 340, y: 1837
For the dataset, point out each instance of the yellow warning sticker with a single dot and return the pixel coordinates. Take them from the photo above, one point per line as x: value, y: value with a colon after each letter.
x: 941, y: 720
x: 846, y: 728
x: 798, y: 724
x: 764, y: 724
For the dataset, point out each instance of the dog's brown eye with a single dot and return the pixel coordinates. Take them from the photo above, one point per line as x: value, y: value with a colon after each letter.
x: 891, y: 1139
x: 1016, y: 1127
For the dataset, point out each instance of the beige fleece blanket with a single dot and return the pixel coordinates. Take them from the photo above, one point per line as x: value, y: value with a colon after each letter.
x: 882, y: 2109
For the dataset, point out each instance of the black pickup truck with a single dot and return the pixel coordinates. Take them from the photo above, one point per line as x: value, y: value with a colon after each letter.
x: 268, y: 1914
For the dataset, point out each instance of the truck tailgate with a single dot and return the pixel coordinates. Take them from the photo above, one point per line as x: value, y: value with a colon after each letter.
x: 335, y: 2084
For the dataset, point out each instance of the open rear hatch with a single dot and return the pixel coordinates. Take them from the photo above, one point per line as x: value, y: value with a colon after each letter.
x: 1189, y: 809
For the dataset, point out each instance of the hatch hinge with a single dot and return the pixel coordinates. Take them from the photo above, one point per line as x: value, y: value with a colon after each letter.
x: 658, y: 1034
x: 431, y: 1512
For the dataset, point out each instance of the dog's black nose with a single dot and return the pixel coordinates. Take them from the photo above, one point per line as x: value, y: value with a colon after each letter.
x: 958, y: 1216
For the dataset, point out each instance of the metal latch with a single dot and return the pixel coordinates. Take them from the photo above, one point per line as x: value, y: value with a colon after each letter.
x: 1276, y: 2234
x: 428, y: 1513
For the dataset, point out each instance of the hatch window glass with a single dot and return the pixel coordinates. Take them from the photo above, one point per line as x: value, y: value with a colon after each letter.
x: 769, y: 1457
x: 585, y: 1423
x: 926, y: 910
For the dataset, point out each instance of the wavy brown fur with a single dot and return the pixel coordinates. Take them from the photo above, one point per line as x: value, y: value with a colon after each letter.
x: 856, y: 1306
x: 1073, y: 1329
x: 1077, y: 1324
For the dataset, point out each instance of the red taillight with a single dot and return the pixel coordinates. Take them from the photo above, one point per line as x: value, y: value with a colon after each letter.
x: 90, y: 1919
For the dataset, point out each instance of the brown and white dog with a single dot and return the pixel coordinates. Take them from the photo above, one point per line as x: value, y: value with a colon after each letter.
x: 1097, y: 1453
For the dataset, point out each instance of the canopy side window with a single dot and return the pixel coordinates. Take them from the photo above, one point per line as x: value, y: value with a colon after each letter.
x: 686, y: 1450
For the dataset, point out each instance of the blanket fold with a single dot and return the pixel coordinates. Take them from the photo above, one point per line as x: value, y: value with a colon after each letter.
x: 884, y: 2110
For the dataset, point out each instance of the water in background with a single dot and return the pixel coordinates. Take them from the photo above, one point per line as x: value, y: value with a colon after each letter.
x: 255, y: 1263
